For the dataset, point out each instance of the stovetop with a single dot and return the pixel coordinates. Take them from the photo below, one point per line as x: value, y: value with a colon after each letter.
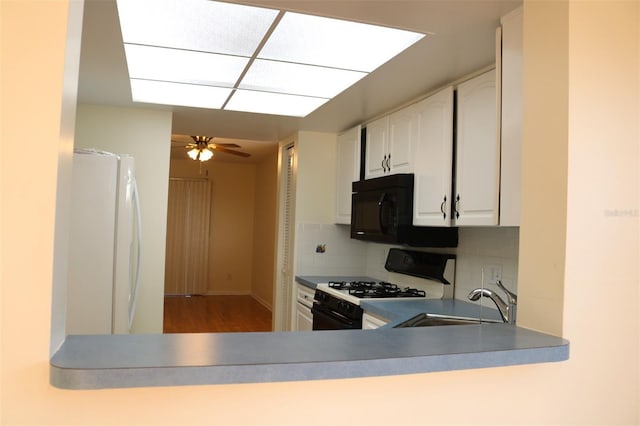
x: 354, y: 291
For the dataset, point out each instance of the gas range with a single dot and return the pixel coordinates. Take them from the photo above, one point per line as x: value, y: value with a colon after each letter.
x: 355, y: 291
x: 336, y: 304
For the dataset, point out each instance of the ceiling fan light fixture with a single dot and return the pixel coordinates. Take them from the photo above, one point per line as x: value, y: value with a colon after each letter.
x: 193, y: 154
x: 206, y: 155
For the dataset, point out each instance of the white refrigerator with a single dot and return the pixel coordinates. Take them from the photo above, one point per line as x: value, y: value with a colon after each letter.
x: 104, y: 244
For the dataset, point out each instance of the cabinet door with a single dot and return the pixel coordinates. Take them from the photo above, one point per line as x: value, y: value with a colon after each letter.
x: 304, y: 318
x: 477, y: 152
x: 347, y: 172
x: 511, y: 122
x: 402, y: 134
x: 377, y: 143
x: 433, y: 162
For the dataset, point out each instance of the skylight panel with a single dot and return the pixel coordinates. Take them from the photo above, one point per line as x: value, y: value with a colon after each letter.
x: 297, y: 79
x: 204, y: 54
x: 273, y: 103
x: 335, y: 43
x: 202, y: 25
x: 167, y: 93
x: 183, y: 66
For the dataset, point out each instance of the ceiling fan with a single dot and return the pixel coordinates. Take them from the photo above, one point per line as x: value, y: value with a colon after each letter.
x: 203, y: 149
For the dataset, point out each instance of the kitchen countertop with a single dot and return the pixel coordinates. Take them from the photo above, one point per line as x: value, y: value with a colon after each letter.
x: 398, y: 310
x: 120, y: 361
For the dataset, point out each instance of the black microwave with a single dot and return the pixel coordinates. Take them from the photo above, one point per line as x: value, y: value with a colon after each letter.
x: 382, y: 211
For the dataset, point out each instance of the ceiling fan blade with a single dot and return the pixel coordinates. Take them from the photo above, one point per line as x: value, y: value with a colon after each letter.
x: 228, y: 151
x: 227, y: 145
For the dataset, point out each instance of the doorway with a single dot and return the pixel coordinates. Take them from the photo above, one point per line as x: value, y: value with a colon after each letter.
x: 188, y: 217
x: 232, y: 246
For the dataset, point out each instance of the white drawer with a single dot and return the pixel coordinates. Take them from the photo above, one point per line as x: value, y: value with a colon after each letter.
x: 305, y: 295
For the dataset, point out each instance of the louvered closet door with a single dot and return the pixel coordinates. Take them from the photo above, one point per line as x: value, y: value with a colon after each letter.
x: 187, y: 251
x: 284, y: 284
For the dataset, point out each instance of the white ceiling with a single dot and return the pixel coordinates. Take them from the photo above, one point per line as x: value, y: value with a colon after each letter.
x: 461, y: 41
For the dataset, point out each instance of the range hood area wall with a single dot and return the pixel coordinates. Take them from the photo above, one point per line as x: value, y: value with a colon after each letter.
x: 478, y: 248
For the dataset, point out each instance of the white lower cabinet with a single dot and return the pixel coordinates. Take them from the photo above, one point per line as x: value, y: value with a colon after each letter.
x: 304, y: 318
x: 304, y: 301
x: 371, y: 321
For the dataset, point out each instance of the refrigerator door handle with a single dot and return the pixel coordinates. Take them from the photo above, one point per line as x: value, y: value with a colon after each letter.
x: 138, y: 218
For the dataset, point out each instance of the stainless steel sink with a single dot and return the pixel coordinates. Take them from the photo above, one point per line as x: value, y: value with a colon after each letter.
x: 431, y: 320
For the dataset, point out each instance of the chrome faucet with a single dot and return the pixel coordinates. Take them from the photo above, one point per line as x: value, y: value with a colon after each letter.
x: 507, y: 310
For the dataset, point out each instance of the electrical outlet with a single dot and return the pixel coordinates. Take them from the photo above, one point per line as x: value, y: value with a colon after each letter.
x: 492, y: 273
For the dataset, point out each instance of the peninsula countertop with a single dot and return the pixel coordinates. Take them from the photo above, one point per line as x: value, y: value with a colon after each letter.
x: 119, y: 361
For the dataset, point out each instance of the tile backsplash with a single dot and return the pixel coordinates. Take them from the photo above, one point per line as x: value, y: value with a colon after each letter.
x: 327, y: 249
x: 481, y: 247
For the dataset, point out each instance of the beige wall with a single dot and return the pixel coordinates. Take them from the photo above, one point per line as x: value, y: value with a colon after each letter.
x: 264, y: 226
x: 544, y: 170
x: 598, y: 385
x: 145, y: 135
x: 316, y: 155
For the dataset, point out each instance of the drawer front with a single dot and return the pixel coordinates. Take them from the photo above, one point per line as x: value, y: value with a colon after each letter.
x: 305, y: 295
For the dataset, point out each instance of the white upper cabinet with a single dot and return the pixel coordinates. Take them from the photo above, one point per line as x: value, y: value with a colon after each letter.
x: 347, y: 172
x: 476, y: 179
x: 476, y: 200
x: 433, y: 160
x: 389, y: 148
x: 376, y: 148
x: 402, y: 134
x: 511, y: 125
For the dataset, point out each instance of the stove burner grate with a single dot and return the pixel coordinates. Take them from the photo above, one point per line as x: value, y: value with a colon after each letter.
x: 376, y: 289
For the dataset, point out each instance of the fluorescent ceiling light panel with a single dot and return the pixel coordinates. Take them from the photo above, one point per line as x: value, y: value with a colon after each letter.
x: 204, y: 53
x: 183, y: 66
x: 334, y: 43
x: 167, y: 93
x: 298, y: 79
x: 273, y: 103
x: 202, y: 25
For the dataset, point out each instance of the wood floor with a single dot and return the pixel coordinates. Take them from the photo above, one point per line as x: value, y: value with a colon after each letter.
x: 214, y: 314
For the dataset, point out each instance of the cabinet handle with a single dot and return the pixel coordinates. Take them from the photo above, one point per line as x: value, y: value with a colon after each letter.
x: 383, y: 164
x: 444, y: 214
x: 457, y: 204
x: 389, y: 162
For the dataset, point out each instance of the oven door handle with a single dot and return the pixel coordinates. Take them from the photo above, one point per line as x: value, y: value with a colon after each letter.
x: 332, y: 314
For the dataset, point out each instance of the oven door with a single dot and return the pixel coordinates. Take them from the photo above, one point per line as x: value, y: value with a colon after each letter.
x: 327, y: 319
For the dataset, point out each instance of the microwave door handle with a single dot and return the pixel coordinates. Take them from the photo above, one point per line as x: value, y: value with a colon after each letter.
x: 381, y: 201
